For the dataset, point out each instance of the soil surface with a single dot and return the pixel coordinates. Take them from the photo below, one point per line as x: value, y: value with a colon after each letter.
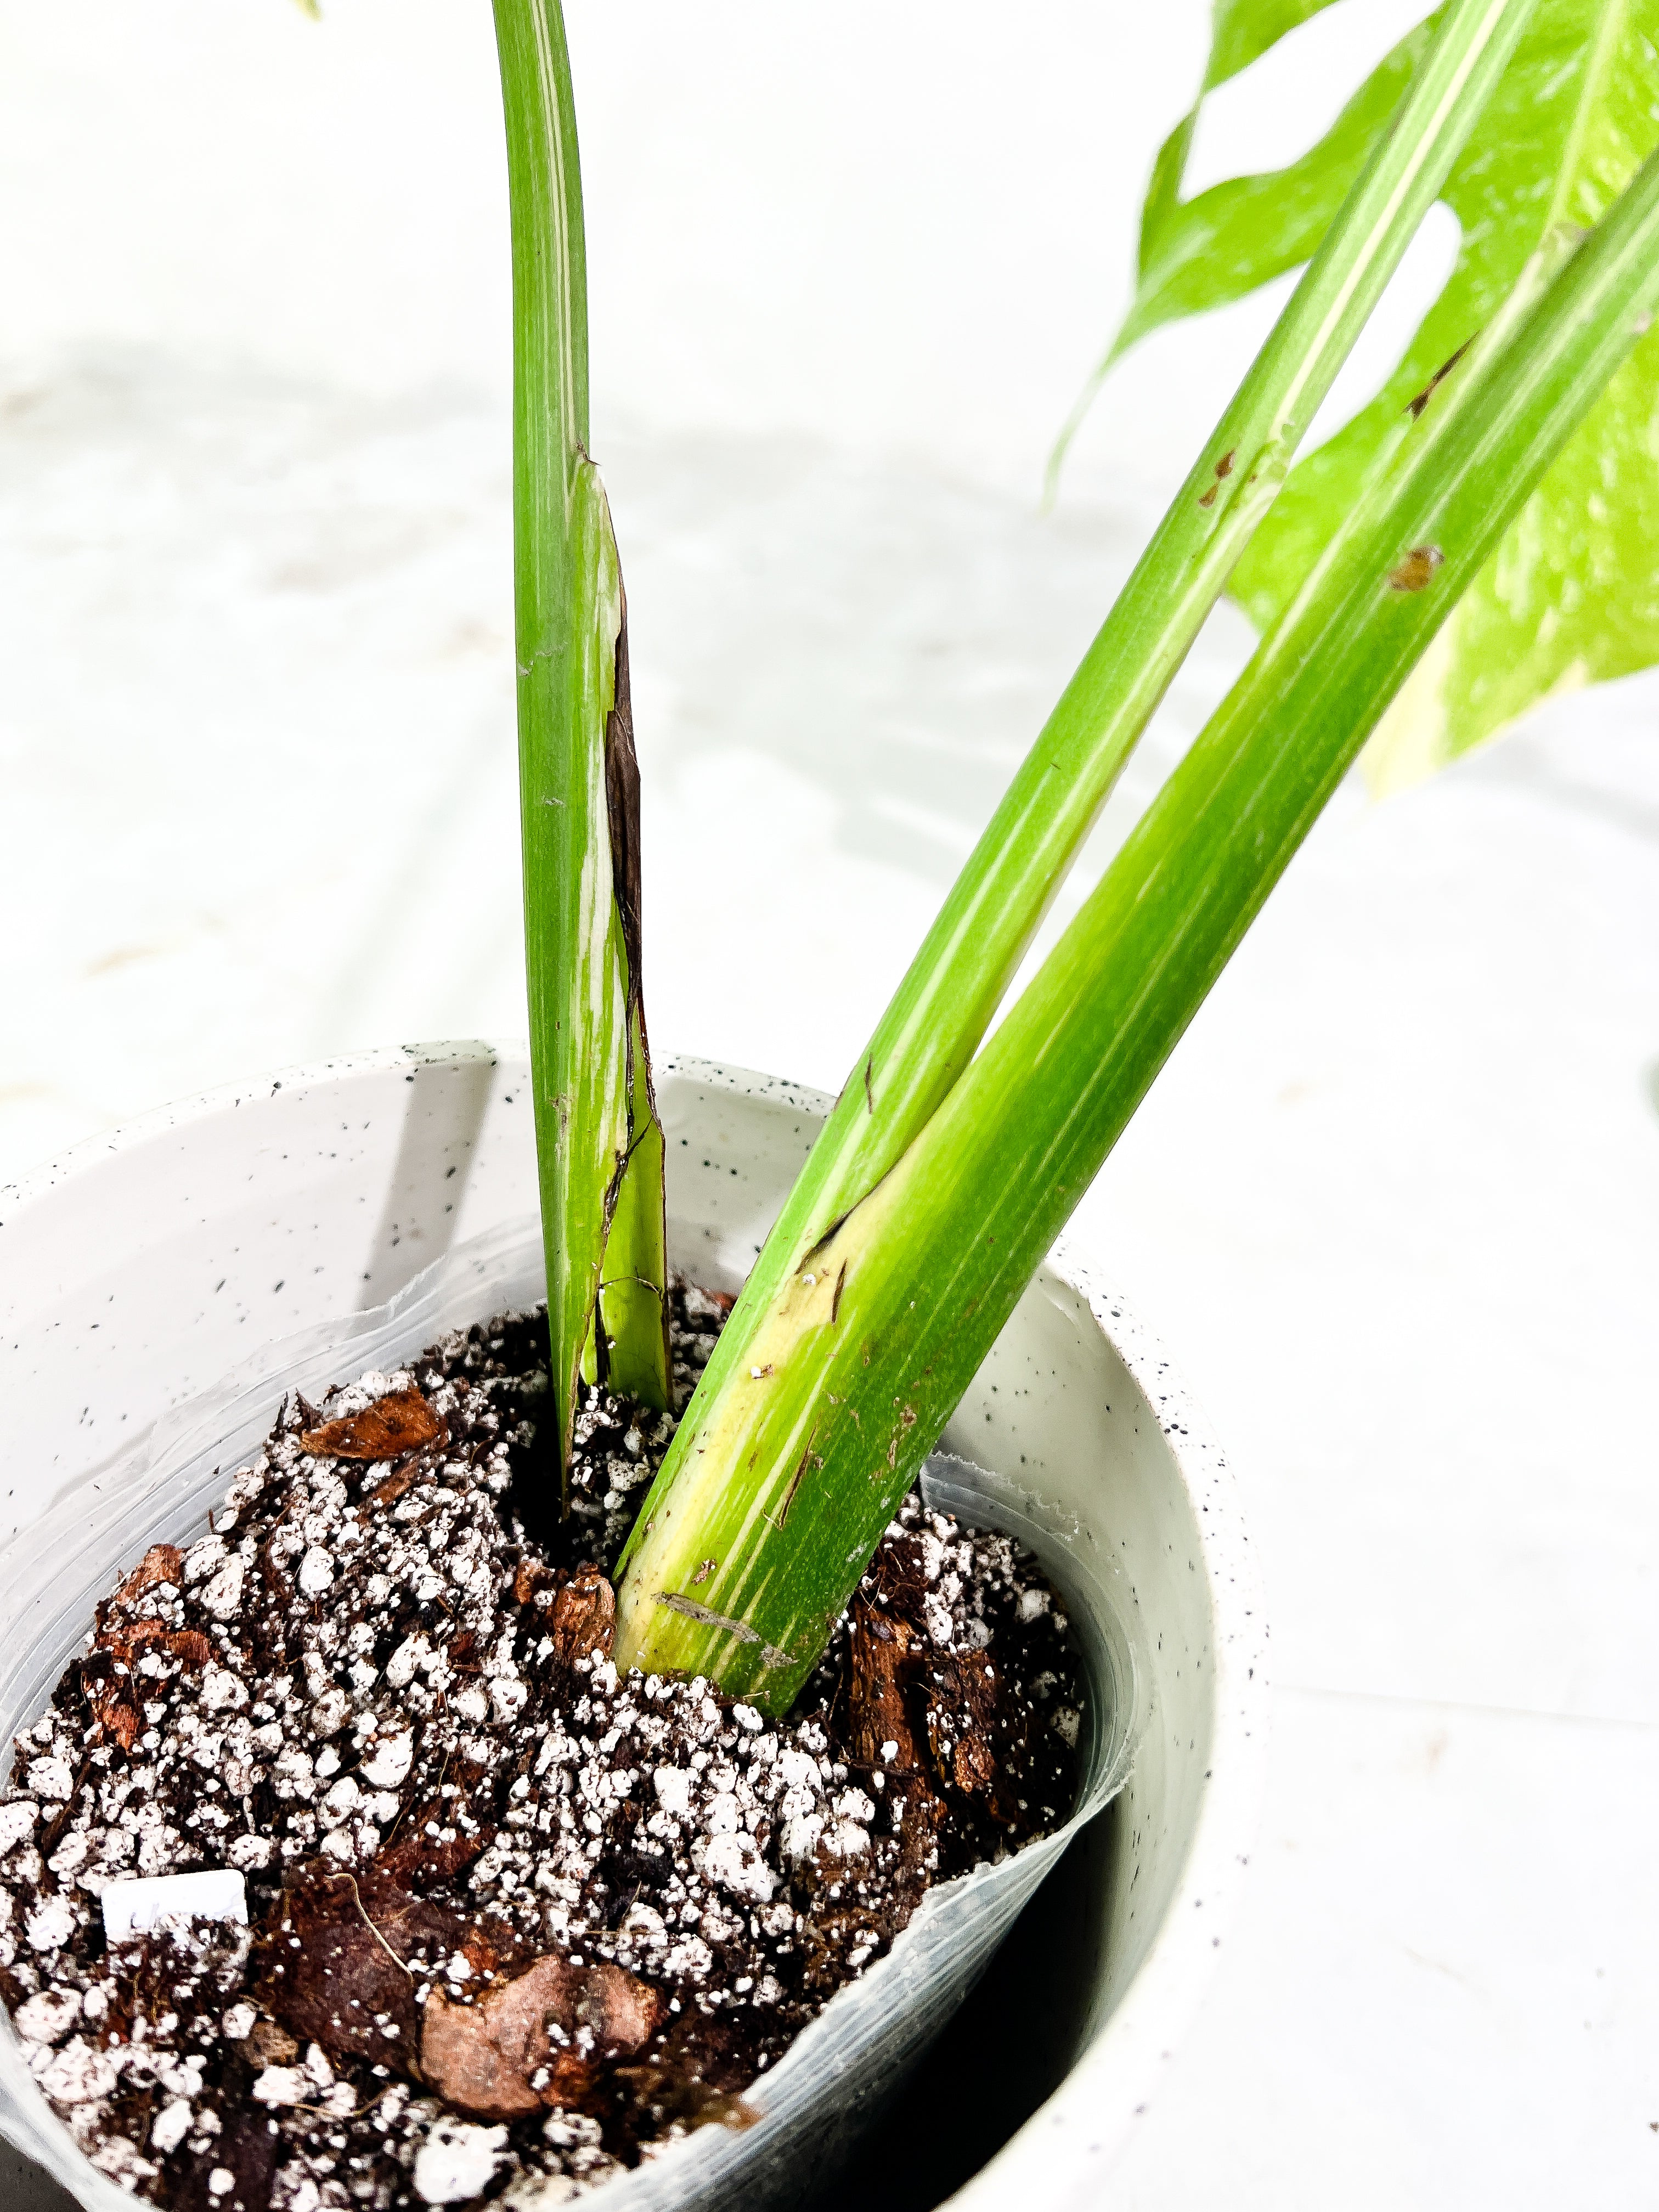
x: 514, y: 1921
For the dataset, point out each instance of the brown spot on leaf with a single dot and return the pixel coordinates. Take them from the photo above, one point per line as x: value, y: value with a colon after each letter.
x: 521, y: 2046
x: 809, y: 1459
x: 705, y: 1568
x: 584, y: 1617
x: 1223, y: 467
x: 1207, y: 498
x: 1417, y: 569
x: 162, y: 1562
x: 622, y: 796
x: 400, y: 1422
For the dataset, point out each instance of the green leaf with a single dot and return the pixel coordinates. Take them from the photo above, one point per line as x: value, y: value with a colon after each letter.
x: 1242, y: 31
x: 1207, y: 252
x: 1572, y: 597
x: 1239, y: 234
x: 1569, y: 598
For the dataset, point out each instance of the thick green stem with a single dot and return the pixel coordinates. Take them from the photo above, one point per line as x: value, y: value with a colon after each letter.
x: 860, y: 1360
x: 944, y: 1005
x: 576, y: 748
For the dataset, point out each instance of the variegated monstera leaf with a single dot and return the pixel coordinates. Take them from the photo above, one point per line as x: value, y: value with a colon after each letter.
x: 1572, y: 597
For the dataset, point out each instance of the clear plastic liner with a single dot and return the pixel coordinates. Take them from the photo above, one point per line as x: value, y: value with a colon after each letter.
x: 849, y: 2062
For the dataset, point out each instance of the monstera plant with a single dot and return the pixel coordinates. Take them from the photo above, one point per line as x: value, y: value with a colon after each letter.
x: 1483, y: 533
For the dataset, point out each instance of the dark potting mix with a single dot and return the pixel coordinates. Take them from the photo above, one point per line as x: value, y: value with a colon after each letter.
x: 513, y: 1921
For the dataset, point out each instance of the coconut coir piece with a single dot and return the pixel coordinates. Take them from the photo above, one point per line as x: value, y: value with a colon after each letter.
x: 539, y: 2039
x: 162, y: 1562
x: 400, y: 1422
x: 583, y: 1620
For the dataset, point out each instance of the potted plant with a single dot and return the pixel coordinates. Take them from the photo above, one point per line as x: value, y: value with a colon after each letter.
x: 893, y: 1271
x: 1134, y: 1498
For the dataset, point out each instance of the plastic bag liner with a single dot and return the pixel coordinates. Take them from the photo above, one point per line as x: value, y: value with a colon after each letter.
x: 845, y: 2066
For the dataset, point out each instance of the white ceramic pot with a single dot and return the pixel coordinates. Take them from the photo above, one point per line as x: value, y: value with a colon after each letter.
x: 148, y: 1265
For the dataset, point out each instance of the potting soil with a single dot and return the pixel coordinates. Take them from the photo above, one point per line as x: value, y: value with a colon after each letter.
x: 514, y: 1921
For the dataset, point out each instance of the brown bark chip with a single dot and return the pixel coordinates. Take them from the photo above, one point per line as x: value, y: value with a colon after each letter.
x: 621, y: 2009
x: 268, y: 2045
x: 400, y: 1479
x: 162, y: 1562
x: 536, y: 2039
x: 530, y: 1579
x: 426, y: 1854
x: 400, y: 1422
x: 480, y: 2057
x: 129, y: 1641
x: 115, y: 1712
x: 584, y: 1617
x: 966, y: 1728
x: 874, y: 1713
x: 334, y: 1964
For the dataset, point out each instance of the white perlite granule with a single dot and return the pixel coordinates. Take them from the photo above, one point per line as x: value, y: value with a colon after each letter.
x: 458, y: 2159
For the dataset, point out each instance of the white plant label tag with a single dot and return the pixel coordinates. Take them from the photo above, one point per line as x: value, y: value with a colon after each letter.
x: 169, y: 1900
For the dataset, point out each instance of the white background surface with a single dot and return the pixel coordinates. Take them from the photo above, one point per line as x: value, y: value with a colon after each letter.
x: 1393, y: 1205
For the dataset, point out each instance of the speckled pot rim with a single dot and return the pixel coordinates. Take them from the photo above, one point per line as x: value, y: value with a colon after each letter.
x: 202, y: 1105
x: 1064, y: 2149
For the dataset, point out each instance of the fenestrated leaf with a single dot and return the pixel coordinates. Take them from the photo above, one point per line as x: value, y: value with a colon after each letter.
x: 1206, y: 251
x: 1568, y: 598
x: 1242, y: 32
x: 1226, y: 242
x: 1572, y: 597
